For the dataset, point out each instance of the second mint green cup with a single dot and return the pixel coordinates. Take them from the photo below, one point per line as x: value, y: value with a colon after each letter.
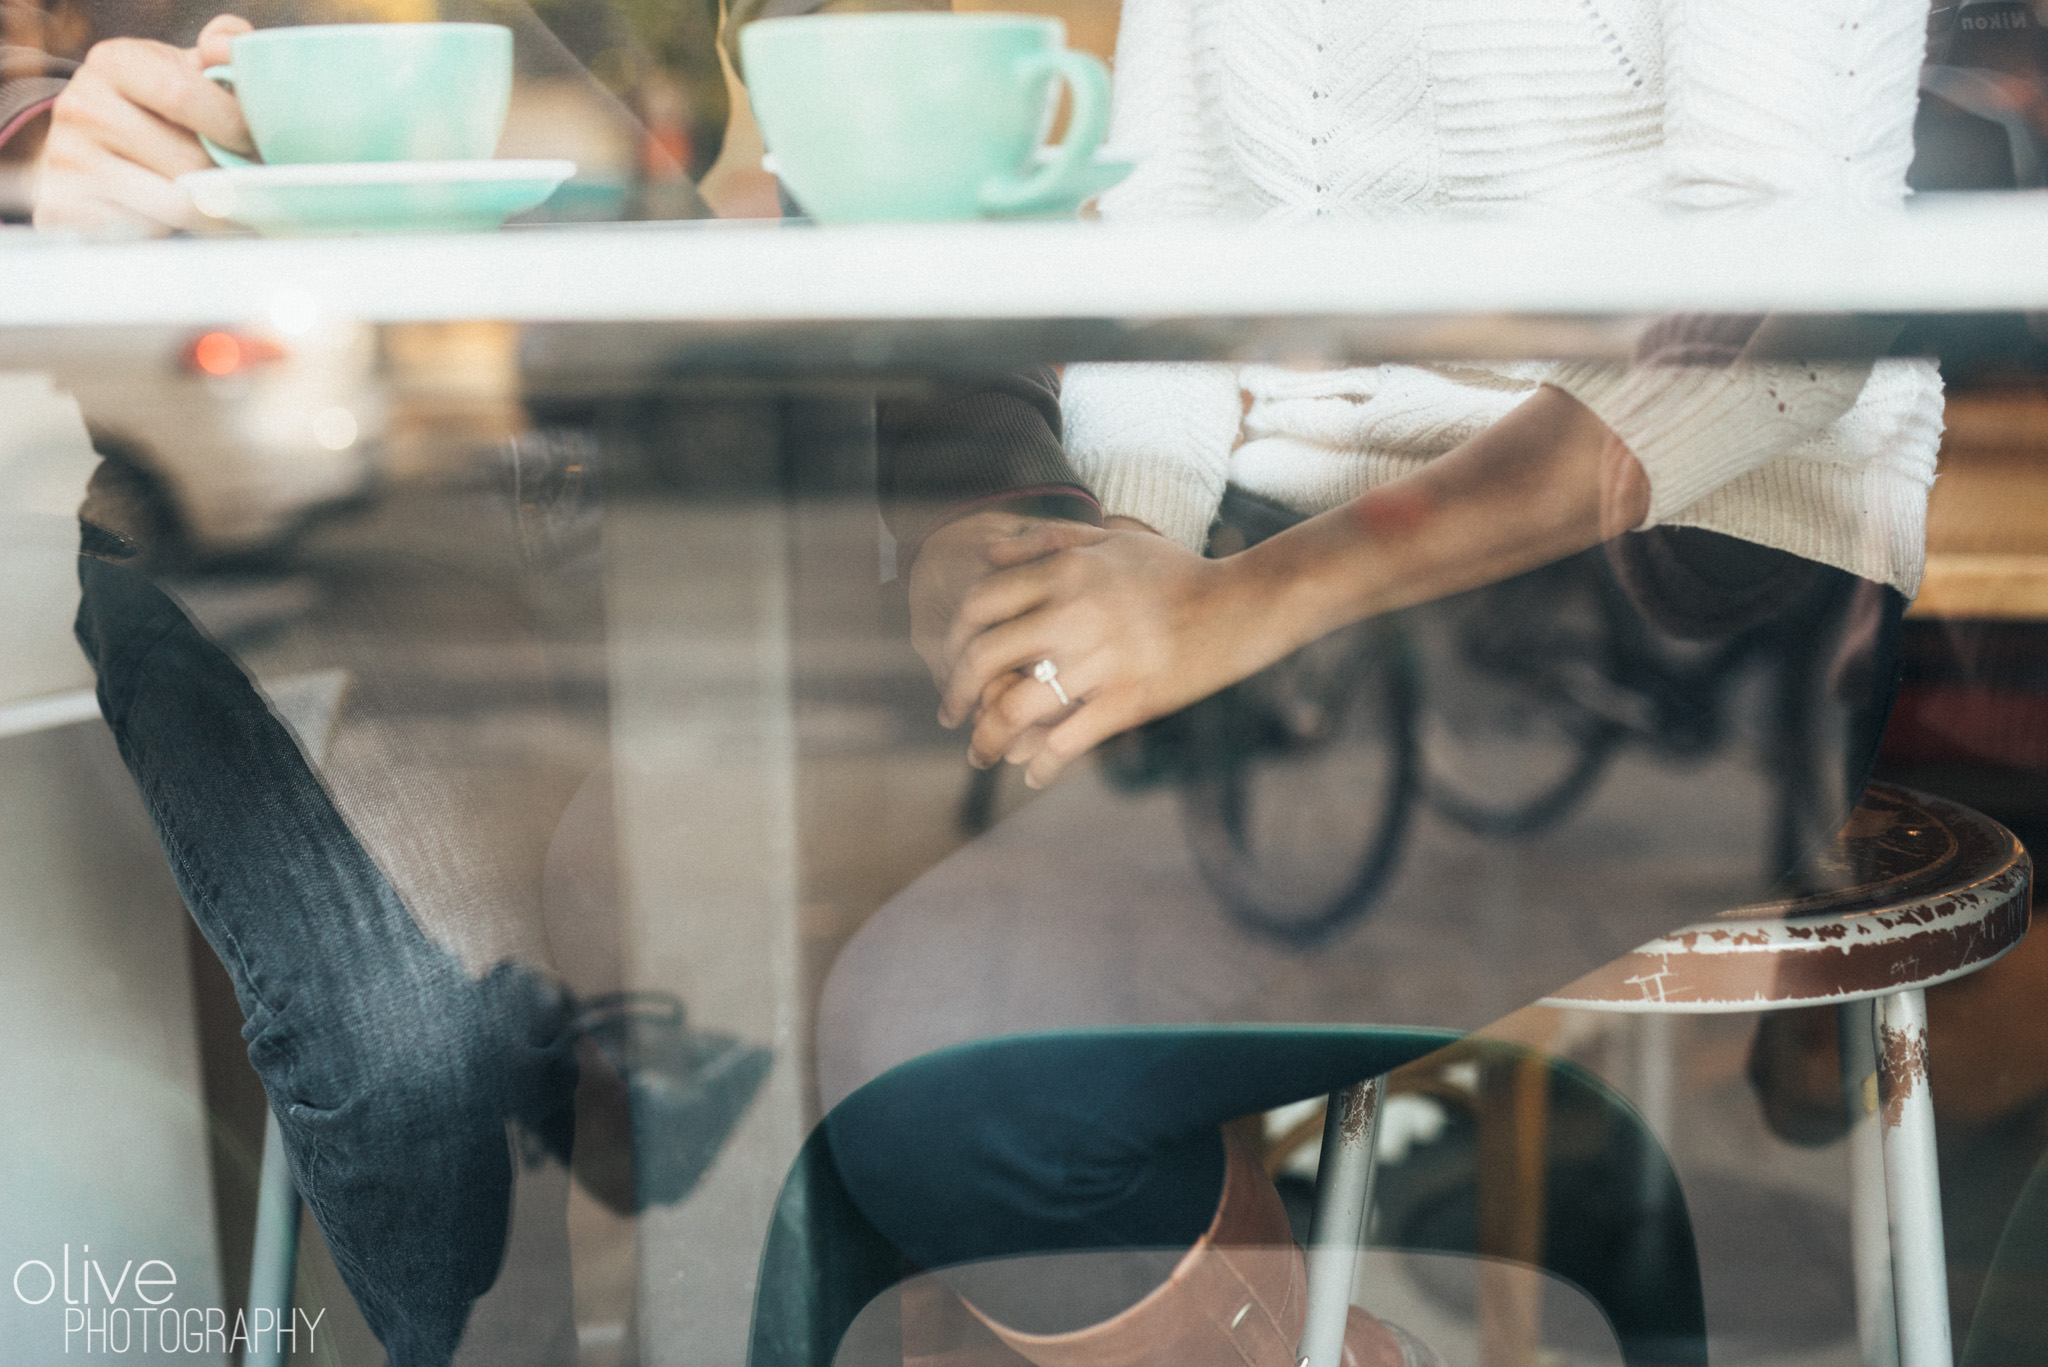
x: 880, y: 117
x: 370, y: 92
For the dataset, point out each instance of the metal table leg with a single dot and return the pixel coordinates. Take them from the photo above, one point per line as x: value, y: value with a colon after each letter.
x: 274, y: 1260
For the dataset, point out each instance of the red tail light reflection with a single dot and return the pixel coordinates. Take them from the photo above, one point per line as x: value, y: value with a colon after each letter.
x: 226, y: 353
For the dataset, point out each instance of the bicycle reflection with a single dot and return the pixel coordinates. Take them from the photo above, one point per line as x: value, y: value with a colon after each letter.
x: 1501, y: 711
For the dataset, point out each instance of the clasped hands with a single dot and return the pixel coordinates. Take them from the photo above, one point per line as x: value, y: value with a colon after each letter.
x: 1136, y: 625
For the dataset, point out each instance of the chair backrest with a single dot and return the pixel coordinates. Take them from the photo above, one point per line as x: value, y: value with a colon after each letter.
x: 1614, y: 1219
x: 2010, y: 1328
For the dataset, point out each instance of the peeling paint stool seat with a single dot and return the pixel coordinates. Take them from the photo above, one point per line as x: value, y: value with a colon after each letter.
x: 1915, y: 892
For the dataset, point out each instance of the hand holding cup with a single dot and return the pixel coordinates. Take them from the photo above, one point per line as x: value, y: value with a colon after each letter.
x: 127, y: 125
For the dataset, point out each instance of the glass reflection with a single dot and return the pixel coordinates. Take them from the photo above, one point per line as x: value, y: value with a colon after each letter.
x: 559, y: 797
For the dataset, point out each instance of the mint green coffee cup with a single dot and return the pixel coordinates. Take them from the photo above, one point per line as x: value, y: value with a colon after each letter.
x: 370, y: 92
x: 880, y: 117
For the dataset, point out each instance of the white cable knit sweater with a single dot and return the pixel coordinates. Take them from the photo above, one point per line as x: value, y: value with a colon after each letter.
x: 1294, y: 109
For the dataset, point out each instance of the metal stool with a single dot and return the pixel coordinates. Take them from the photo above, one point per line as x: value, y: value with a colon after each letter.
x: 1923, y: 890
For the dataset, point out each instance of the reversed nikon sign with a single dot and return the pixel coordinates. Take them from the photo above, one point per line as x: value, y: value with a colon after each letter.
x: 1997, y: 35
x: 1991, y: 16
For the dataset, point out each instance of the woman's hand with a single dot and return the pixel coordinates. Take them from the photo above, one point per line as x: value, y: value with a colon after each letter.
x: 1136, y: 626
x: 960, y: 555
x: 126, y: 127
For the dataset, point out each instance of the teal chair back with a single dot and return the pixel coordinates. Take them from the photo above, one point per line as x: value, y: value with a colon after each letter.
x: 2010, y: 1328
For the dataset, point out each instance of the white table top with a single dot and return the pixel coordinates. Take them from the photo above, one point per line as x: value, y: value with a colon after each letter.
x: 1450, y: 282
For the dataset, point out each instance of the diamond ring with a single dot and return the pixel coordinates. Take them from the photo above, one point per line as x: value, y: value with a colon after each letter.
x: 1048, y: 673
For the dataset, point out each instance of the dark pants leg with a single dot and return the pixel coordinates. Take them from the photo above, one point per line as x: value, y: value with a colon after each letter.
x: 392, y: 1072
x: 1062, y: 1143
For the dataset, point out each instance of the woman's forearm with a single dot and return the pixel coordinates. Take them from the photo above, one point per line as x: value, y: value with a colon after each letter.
x: 1137, y: 627
x: 1543, y: 483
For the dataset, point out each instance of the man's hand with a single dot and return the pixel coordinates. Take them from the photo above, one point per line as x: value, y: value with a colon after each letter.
x: 1136, y: 625
x: 126, y: 127
x: 959, y: 556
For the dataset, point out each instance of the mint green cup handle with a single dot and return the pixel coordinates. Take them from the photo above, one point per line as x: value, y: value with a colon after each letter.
x: 223, y: 76
x: 1062, y: 178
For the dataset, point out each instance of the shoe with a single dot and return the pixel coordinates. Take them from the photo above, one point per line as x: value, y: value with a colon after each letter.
x: 1237, y: 1298
x: 658, y: 1099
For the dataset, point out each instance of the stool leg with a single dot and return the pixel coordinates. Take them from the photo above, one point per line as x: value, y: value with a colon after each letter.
x: 1877, y: 1321
x: 1912, y: 1189
x: 1513, y: 1143
x: 1657, y: 1072
x: 1657, y: 1102
x: 273, y: 1262
x: 1343, y: 1199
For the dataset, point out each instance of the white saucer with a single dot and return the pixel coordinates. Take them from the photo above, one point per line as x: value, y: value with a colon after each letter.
x: 375, y: 196
x: 1104, y: 169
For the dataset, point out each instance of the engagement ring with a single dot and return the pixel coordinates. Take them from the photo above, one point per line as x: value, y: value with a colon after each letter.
x: 1048, y: 673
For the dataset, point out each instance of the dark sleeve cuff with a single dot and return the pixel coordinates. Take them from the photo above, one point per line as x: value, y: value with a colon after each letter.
x: 23, y: 102
x: 972, y: 446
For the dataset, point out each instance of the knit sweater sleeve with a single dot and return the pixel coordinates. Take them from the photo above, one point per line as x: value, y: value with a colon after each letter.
x: 1766, y: 104
x: 1154, y: 441
x: 992, y: 443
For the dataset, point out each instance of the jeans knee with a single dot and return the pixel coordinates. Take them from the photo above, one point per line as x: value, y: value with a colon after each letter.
x: 965, y: 1120
x: 988, y: 1148
x: 423, y: 1062
x: 899, y: 1151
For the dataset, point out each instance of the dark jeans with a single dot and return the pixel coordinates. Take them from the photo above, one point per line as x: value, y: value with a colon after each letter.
x: 392, y: 1071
